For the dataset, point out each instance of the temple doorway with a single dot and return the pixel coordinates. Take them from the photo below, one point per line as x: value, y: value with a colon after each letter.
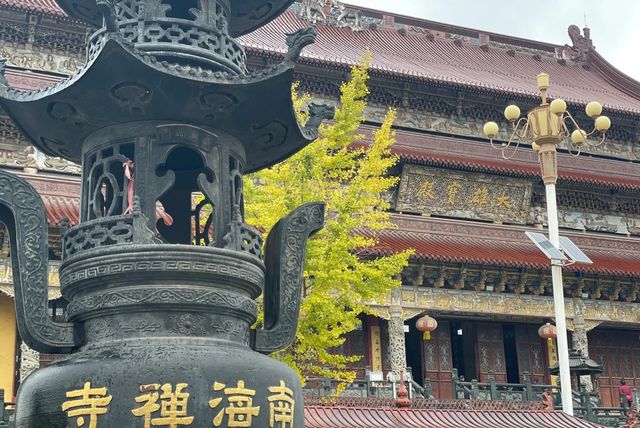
x: 463, y: 349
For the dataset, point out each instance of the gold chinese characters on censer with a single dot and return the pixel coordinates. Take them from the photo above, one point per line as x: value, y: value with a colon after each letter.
x: 166, y: 405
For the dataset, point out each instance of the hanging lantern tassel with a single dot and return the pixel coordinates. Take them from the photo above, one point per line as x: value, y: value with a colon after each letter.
x: 426, y: 325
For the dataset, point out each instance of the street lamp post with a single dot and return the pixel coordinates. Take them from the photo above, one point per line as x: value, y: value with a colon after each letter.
x: 544, y: 128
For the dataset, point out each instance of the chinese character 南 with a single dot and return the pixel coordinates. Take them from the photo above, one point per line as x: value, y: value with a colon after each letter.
x: 172, y: 405
x: 281, y: 406
x: 240, y: 410
x: 87, y: 401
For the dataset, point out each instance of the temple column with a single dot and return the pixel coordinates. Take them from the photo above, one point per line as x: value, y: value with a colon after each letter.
x: 397, y: 351
x: 579, y: 338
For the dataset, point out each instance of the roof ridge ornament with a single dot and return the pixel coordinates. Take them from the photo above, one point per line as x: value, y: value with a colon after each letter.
x: 333, y: 13
x: 582, y: 44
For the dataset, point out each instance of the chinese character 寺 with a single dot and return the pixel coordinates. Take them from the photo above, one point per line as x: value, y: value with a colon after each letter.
x: 240, y: 411
x: 172, y: 407
x: 504, y: 201
x: 87, y: 402
x: 281, y: 405
x: 480, y: 197
x: 426, y: 190
x: 452, y: 192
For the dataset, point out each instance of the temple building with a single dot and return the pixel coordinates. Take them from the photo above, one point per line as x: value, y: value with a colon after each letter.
x: 459, y: 204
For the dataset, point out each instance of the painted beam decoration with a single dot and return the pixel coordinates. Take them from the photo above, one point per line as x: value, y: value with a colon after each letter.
x: 462, y: 194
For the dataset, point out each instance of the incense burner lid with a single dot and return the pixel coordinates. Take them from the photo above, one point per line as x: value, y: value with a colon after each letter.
x: 120, y: 85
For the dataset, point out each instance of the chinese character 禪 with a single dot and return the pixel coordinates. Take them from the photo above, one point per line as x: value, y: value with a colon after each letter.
x: 281, y: 406
x: 172, y: 406
x: 240, y: 410
x: 87, y: 402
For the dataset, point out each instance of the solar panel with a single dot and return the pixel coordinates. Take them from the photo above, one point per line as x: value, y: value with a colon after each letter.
x: 574, y: 253
x: 546, y: 246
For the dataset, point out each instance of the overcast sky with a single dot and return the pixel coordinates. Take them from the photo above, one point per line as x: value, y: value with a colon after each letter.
x: 615, y: 24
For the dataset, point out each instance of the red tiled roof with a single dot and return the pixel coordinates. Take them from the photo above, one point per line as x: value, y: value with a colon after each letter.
x: 354, y: 417
x: 439, y: 60
x: 60, y: 195
x: 61, y: 207
x: 29, y: 80
x: 468, y: 154
x: 42, y: 6
x: 442, y: 61
x: 501, y: 245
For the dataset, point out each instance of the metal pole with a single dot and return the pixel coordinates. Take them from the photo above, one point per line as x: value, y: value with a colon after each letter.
x: 558, y: 303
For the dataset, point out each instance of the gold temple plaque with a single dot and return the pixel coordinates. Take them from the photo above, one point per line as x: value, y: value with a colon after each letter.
x: 461, y: 194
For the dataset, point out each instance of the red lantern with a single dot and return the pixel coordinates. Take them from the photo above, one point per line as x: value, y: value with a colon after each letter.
x: 426, y: 325
x: 548, y: 331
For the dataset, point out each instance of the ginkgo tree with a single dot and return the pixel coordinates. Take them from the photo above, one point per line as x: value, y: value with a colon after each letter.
x: 352, y: 182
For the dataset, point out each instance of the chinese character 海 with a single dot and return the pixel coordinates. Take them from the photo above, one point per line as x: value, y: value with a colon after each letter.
x: 172, y: 406
x: 87, y: 402
x: 281, y: 406
x: 240, y: 410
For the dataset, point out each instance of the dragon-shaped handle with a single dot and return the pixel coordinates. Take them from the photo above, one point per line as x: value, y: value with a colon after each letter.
x: 22, y: 211
x: 284, y: 260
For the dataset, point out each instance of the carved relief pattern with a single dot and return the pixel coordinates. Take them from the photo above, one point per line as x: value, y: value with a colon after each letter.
x: 284, y: 258
x: 232, y: 329
x: 430, y: 355
x: 117, y: 298
x: 70, y: 275
x: 506, y: 304
x: 444, y: 355
x: 56, y: 39
x: 151, y: 24
x: 139, y: 324
x: 30, y: 235
x: 463, y: 195
x: 34, y: 60
x: 188, y: 324
x: 29, y: 361
x: 337, y: 14
x: 397, y: 355
x: 90, y: 235
x: 99, y: 329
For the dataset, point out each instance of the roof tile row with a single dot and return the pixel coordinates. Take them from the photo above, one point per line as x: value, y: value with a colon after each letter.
x: 42, y: 6
x: 432, y: 241
x: 344, y: 417
x: 440, y: 60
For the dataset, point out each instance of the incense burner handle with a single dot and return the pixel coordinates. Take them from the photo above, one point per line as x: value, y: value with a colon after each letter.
x: 284, y: 260
x: 22, y: 211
